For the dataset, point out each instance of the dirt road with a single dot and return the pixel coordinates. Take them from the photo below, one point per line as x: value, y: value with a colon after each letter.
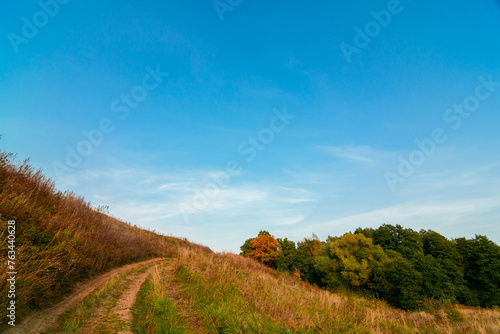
x: 42, y: 320
x: 124, y: 305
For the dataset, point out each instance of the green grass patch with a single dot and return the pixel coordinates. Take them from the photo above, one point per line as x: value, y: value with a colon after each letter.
x: 223, y: 309
x: 153, y: 313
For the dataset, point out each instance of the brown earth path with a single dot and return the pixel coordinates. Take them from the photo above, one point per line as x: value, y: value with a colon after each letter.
x: 123, y: 307
x: 42, y: 320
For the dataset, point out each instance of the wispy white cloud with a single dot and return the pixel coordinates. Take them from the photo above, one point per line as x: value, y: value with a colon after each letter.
x: 360, y: 153
x: 153, y: 199
x: 412, y: 211
x: 291, y: 221
x: 451, y: 218
x: 455, y: 182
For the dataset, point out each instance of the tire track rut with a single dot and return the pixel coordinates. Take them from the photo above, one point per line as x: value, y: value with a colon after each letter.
x: 45, y: 319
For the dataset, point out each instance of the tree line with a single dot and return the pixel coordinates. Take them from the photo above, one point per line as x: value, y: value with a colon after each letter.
x: 404, y: 267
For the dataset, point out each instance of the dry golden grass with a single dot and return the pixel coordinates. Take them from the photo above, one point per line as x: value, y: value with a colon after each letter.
x: 299, y: 306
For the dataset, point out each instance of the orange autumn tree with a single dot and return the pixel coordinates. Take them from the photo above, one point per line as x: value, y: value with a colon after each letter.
x: 265, y: 248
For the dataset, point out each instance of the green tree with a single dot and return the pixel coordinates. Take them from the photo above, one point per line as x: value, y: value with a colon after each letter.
x: 448, y: 260
x: 405, y: 241
x: 347, y: 261
x: 481, y: 259
x: 444, y: 250
x: 367, y: 232
x: 397, y: 282
x: 435, y: 283
x: 287, y: 259
x: 307, y: 250
x: 245, y: 248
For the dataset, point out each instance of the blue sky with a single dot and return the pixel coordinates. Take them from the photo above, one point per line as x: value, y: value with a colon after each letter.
x: 213, y: 120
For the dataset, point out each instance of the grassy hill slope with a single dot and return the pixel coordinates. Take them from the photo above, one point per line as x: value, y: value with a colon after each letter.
x: 60, y: 240
x: 226, y: 293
